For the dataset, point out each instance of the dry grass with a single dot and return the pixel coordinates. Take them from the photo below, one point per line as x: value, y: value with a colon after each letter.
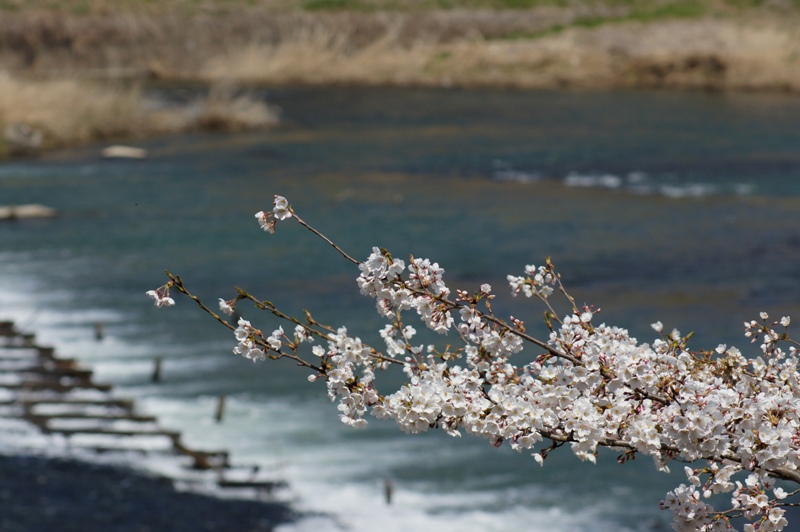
x: 225, y: 110
x: 759, y: 54
x: 191, y: 7
x: 69, y: 111
x: 318, y: 54
x: 589, y: 44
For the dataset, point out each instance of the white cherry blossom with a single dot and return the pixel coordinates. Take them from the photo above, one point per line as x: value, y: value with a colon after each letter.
x: 227, y: 307
x: 734, y: 418
x: 161, y: 296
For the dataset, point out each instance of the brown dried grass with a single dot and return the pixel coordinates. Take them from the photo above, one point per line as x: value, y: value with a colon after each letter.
x: 543, y: 47
x: 708, y: 53
x: 319, y: 54
x: 70, y: 111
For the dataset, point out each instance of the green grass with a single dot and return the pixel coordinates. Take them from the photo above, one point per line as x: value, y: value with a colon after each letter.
x: 424, y: 5
x: 499, y: 4
x: 677, y: 10
x: 331, y: 5
x: 639, y: 12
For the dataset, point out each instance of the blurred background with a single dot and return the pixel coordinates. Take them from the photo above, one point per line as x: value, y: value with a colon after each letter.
x: 650, y: 148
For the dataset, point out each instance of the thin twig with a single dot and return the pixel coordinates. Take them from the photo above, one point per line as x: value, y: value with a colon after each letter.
x: 326, y: 239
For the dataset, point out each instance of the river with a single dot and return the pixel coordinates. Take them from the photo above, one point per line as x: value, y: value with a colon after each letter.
x: 681, y: 207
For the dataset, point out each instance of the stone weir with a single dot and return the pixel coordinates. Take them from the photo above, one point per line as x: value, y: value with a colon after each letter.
x: 59, y: 397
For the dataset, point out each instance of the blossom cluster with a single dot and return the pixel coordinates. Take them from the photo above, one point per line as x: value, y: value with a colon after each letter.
x: 348, y: 368
x: 538, y: 281
x: 247, y: 338
x: 280, y: 211
x: 598, y: 386
x: 424, y: 289
x: 585, y: 385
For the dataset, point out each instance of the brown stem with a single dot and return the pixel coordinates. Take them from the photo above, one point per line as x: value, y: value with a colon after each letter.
x: 325, y: 238
x: 266, y: 305
x: 778, y: 472
x: 177, y: 282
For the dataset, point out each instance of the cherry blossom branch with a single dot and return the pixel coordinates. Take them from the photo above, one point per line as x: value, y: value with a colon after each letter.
x: 594, y: 385
x: 177, y: 283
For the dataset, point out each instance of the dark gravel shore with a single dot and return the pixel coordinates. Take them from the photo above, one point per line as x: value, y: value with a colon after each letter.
x: 47, y: 494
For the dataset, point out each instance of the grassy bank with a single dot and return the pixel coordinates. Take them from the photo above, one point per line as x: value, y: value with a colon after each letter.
x: 65, y: 46
x: 42, y: 114
x: 720, y: 44
x: 189, y: 7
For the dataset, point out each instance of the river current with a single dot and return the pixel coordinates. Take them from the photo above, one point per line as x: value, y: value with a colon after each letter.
x: 678, y: 207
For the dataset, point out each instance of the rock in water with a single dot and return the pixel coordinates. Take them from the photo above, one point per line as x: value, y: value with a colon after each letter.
x: 18, y: 212
x: 123, y: 152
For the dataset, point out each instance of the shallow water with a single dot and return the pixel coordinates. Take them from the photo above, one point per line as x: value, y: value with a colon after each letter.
x: 679, y: 207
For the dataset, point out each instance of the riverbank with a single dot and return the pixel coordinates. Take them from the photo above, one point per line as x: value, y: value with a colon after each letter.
x: 589, y: 45
x: 38, y: 493
x: 38, y: 114
x: 75, y: 72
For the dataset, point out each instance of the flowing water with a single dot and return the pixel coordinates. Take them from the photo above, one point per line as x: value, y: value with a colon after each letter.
x: 679, y: 207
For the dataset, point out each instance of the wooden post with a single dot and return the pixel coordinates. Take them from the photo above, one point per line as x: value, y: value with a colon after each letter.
x: 388, y: 489
x: 46, y: 352
x: 157, y: 370
x: 7, y: 328
x: 220, y: 415
x: 98, y: 331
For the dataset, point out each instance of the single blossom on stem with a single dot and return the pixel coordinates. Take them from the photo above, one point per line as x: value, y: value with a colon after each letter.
x: 161, y: 296
x: 227, y: 307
